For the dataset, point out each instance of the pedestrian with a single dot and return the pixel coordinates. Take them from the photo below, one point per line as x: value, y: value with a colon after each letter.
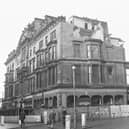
x: 64, y: 112
x: 51, y: 120
x: 22, y: 118
x: 54, y: 116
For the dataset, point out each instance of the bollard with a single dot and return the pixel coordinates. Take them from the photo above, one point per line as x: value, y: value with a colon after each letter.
x: 2, y: 120
x: 83, y: 119
x: 67, y: 122
x: 45, y: 117
x: 19, y: 122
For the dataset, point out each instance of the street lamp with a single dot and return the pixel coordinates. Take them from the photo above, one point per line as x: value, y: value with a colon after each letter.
x: 74, y: 91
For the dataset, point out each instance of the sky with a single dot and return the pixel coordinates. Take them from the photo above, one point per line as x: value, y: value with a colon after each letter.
x: 16, y: 14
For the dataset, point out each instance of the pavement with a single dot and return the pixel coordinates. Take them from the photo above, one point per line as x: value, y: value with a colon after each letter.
x: 16, y: 125
x: 8, y: 126
x: 119, y: 123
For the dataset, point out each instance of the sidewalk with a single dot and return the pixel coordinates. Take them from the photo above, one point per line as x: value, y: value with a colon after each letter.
x: 17, y: 126
x: 121, y: 123
x: 9, y: 125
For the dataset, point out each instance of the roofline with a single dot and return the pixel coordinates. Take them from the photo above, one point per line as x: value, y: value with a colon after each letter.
x: 84, y: 18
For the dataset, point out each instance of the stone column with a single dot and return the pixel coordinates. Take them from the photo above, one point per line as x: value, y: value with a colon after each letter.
x: 64, y: 100
x: 59, y: 100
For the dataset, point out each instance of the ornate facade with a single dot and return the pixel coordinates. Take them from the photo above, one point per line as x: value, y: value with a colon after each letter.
x: 40, y: 69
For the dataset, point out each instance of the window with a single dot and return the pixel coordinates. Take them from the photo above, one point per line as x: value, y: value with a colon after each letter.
x: 46, y: 40
x: 93, y: 51
x: 54, y: 52
x: 38, y: 80
x: 78, y: 74
x: 40, y: 44
x: 95, y: 73
x: 53, y: 35
x: 46, y: 56
x: 7, y: 69
x: 32, y: 65
x: 30, y: 52
x: 93, y: 27
x: 110, y: 70
x: 86, y: 26
x: 88, y: 52
x: 31, y: 84
x: 50, y: 53
x: 42, y: 58
x: 52, y: 75
x: 76, y: 50
x: 127, y: 75
x: 38, y: 60
x: 89, y: 74
x: 41, y: 80
x: 23, y: 53
x: 34, y: 50
x: 102, y: 74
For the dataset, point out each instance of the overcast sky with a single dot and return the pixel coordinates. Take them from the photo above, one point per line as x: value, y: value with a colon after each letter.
x: 16, y: 14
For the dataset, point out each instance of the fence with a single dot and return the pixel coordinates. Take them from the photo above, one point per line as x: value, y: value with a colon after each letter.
x: 101, y: 112
x: 93, y: 113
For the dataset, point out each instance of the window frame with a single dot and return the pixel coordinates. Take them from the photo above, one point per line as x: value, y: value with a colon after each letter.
x: 77, y: 50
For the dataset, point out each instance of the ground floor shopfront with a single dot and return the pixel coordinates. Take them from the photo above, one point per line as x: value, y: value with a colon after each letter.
x: 64, y: 98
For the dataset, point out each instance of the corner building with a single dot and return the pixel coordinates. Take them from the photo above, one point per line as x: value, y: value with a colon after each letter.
x: 41, y: 66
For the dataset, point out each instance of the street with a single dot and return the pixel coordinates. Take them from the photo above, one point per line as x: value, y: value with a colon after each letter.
x: 121, y: 123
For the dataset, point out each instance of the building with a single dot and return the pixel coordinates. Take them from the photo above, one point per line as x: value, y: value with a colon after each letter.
x: 40, y: 70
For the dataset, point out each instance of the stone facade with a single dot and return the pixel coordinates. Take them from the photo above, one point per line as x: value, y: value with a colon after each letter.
x: 43, y: 60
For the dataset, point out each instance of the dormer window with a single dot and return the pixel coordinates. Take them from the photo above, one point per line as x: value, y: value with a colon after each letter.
x: 46, y: 40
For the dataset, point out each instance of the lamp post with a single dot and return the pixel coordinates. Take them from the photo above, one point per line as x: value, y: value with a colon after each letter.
x: 74, y: 92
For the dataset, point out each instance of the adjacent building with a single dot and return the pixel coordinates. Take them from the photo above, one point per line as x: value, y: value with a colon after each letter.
x: 39, y: 70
